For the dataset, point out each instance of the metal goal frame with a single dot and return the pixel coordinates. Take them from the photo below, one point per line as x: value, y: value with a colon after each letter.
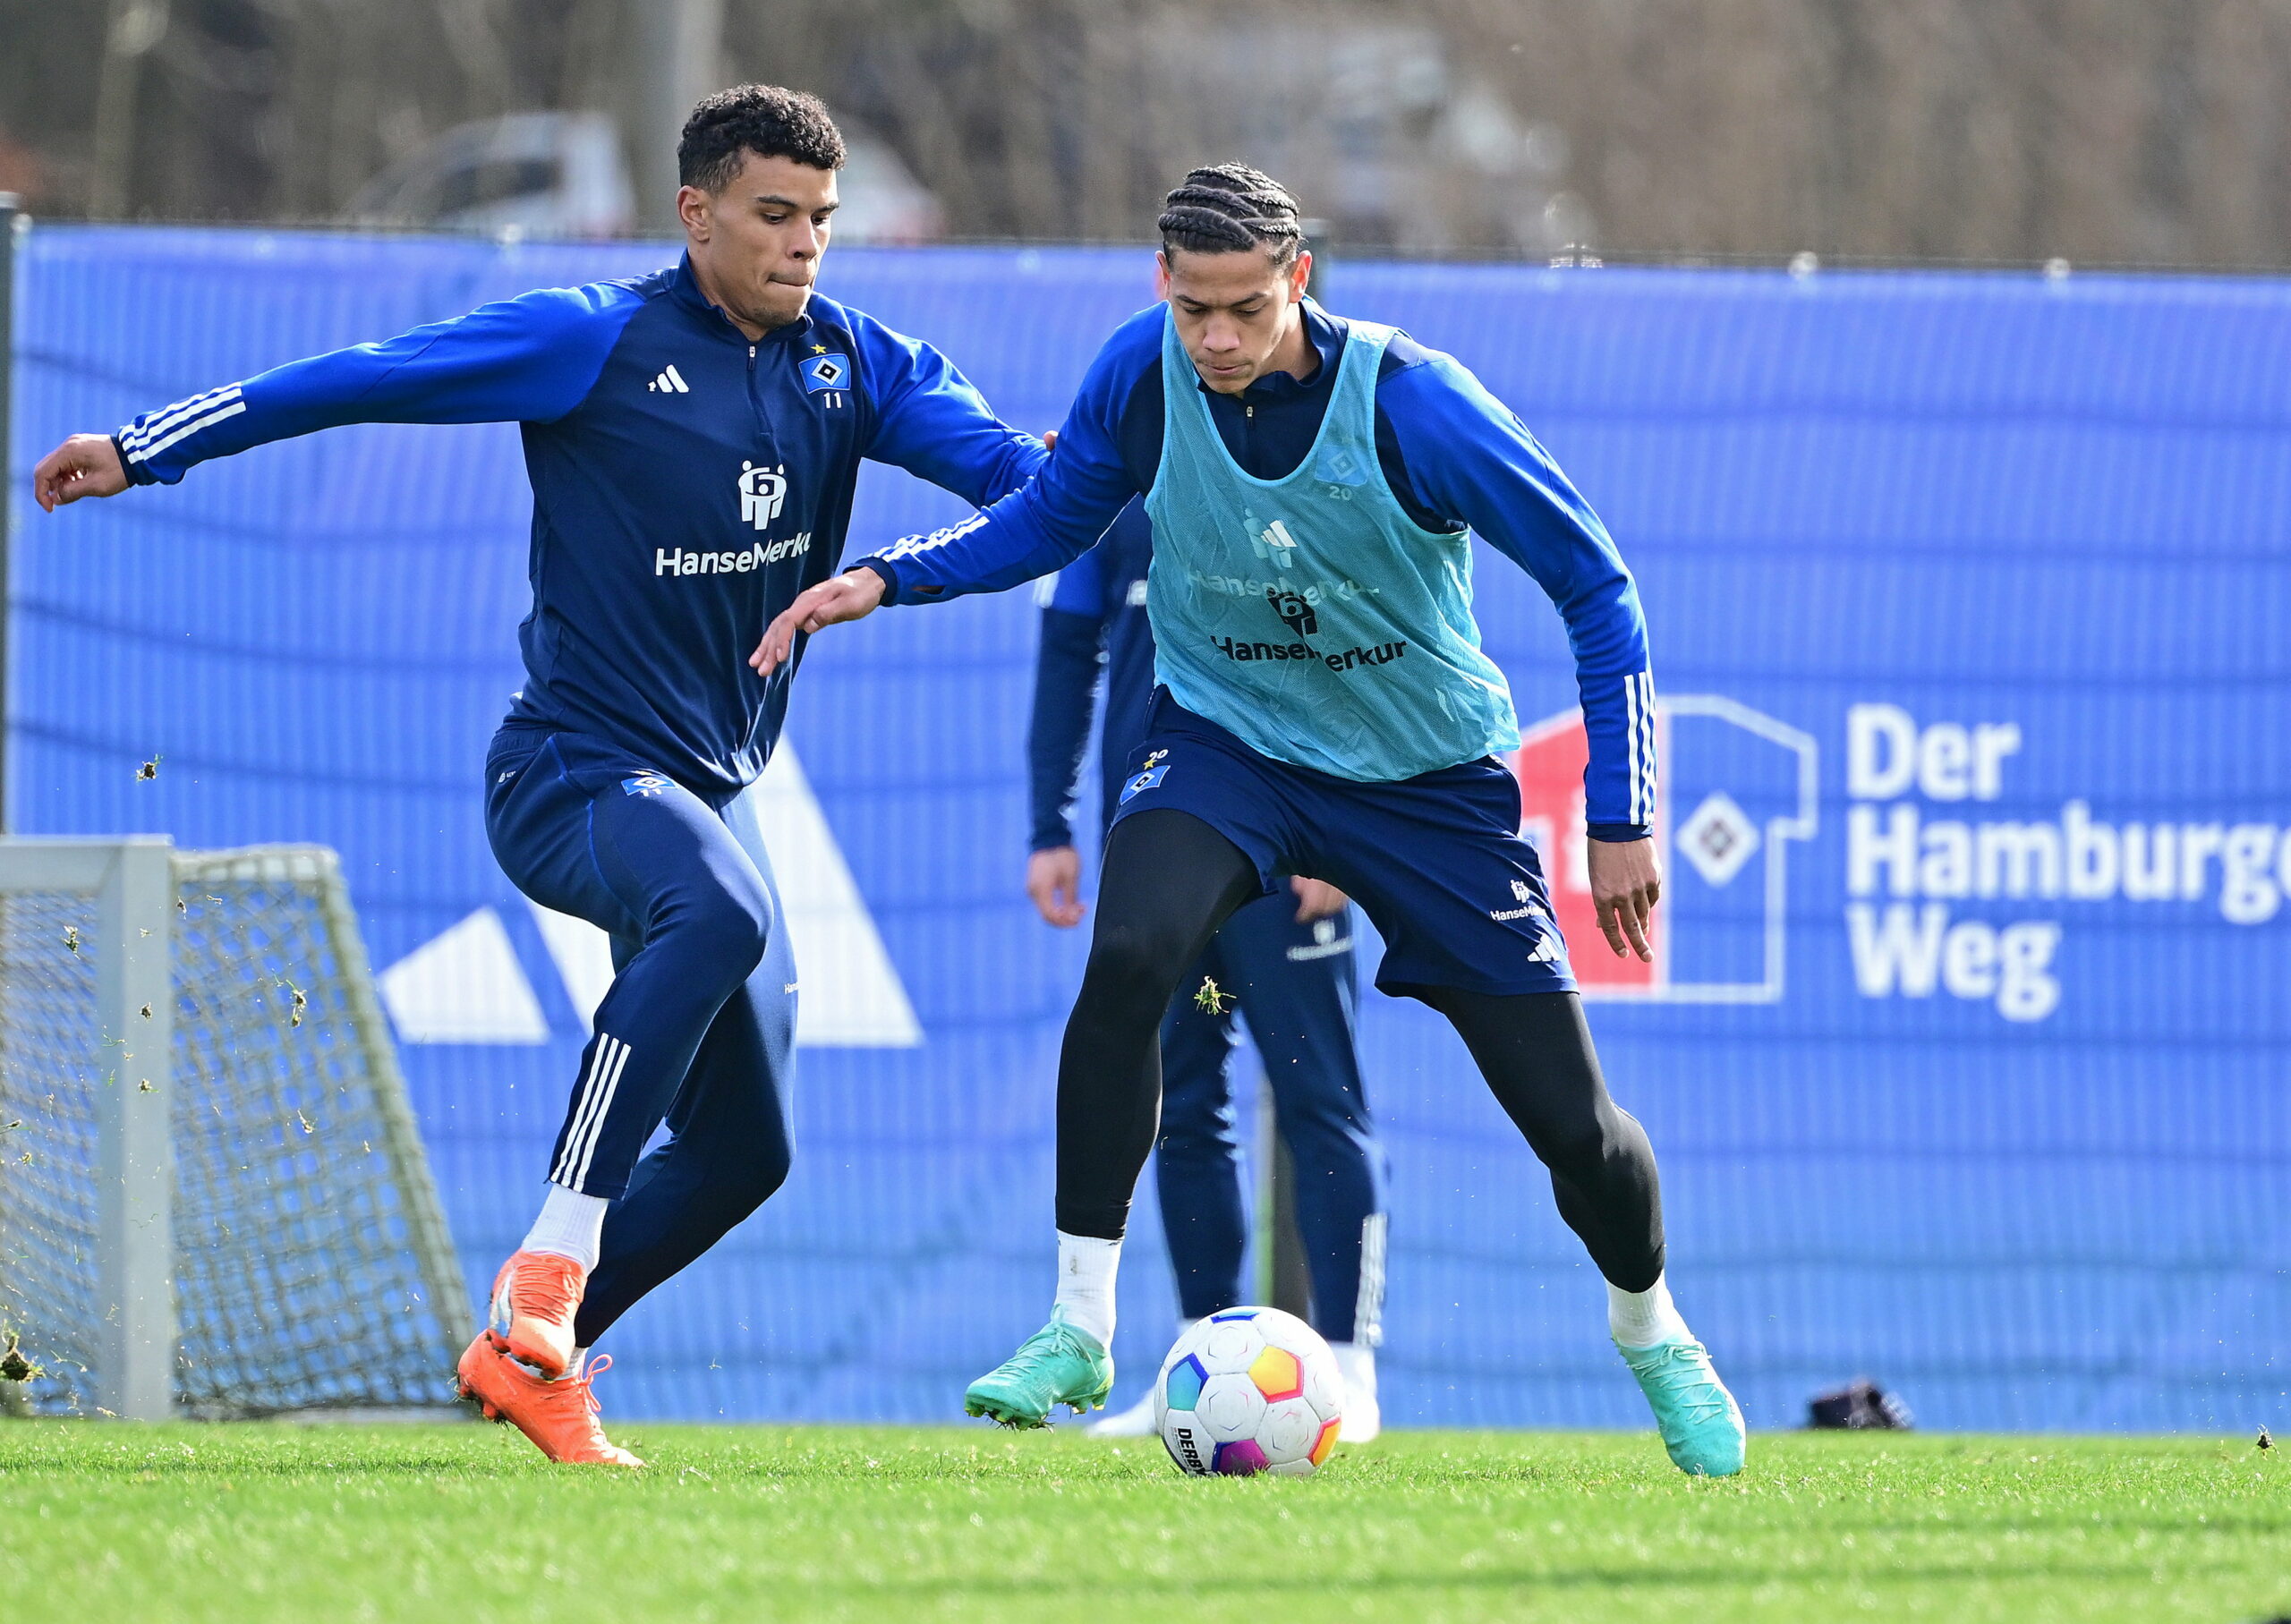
x: 137, y: 884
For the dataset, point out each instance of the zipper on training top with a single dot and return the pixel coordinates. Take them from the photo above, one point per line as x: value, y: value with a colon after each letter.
x: 765, y: 434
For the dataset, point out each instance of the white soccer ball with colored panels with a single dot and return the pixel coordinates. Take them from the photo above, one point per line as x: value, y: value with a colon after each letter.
x: 1250, y: 1389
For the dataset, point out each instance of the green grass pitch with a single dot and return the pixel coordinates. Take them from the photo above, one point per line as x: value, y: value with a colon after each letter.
x: 254, y: 1523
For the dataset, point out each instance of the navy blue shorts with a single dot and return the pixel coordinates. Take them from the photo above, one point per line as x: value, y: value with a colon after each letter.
x: 1435, y: 859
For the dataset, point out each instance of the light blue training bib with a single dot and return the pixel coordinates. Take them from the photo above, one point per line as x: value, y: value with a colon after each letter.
x: 1309, y: 615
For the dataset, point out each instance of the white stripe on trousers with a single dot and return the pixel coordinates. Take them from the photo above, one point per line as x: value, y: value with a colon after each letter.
x: 1368, y: 1307
x: 562, y: 1173
x: 596, y: 1127
x: 588, y: 1111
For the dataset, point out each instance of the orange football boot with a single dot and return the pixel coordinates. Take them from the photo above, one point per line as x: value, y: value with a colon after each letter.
x: 559, y: 1416
x: 535, y: 1297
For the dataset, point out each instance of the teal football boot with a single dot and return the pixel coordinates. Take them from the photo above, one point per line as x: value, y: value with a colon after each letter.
x: 1700, y: 1425
x: 1058, y: 1364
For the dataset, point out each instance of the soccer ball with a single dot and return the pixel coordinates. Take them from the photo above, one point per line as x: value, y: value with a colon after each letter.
x: 1250, y: 1389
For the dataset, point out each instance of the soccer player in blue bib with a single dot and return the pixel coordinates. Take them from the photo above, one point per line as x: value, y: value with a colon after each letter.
x: 1283, y: 963
x: 693, y: 438
x: 1325, y: 709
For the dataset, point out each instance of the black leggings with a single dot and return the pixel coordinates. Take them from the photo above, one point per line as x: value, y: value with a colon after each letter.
x: 1170, y: 881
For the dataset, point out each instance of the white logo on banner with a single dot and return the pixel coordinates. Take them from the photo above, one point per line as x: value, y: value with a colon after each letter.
x: 1910, y: 948
x: 467, y: 987
x: 1719, y: 839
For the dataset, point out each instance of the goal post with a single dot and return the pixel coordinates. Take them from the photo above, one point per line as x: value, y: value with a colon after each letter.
x: 213, y: 1198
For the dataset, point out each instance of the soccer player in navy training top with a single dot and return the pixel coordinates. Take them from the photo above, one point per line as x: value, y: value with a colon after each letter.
x: 1283, y: 962
x: 1325, y: 709
x: 693, y: 437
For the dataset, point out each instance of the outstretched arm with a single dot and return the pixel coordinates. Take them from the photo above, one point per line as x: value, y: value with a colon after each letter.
x: 1469, y: 455
x: 530, y: 359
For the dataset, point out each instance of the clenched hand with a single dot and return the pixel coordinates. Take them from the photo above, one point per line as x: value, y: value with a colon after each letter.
x: 85, y: 465
x: 1316, y: 899
x: 1054, y: 881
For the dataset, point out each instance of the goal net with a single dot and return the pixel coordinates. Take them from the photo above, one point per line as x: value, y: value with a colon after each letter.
x: 213, y: 1199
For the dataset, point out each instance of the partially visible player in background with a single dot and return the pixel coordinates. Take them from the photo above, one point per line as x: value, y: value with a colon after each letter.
x: 693, y: 437
x: 1283, y: 962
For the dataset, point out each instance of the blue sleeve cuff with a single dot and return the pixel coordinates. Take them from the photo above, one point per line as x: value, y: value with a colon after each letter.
x: 137, y: 474
x: 894, y: 593
x: 1619, y: 834
x: 884, y: 568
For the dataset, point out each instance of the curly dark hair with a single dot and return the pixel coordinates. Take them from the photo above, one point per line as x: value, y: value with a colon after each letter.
x: 1227, y: 207
x: 766, y: 119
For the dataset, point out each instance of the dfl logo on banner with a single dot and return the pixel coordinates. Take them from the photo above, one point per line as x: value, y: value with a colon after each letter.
x: 1747, y: 786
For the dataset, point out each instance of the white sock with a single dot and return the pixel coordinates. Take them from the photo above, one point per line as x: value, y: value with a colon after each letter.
x: 1356, y: 1362
x: 570, y: 1225
x: 1085, y: 1271
x: 1645, y: 1319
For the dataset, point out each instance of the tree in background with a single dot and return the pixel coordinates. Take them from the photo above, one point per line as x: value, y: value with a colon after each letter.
x: 2120, y: 130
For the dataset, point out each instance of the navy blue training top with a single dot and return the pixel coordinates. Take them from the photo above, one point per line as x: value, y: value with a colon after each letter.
x: 1096, y: 614
x: 687, y: 482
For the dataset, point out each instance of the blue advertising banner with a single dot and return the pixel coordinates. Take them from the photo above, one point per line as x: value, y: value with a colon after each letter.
x: 1967, y: 1047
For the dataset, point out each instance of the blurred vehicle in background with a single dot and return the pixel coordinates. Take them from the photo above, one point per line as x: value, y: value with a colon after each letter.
x: 565, y: 175
x: 550, y: 174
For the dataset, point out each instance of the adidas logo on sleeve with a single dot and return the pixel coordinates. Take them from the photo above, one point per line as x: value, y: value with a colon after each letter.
x: 670, y: 382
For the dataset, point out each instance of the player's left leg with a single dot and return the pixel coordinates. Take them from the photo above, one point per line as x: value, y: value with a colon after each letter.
x: 1461, y: 903
x: 1299, y: 992
x: 728, y: 1148
x: 1535, y: 1051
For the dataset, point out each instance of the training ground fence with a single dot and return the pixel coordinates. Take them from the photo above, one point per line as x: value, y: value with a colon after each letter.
x: 1967, y: 1050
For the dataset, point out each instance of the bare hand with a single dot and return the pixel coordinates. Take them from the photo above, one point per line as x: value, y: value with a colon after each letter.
x: 849, y: 596
x: 1626, y: 885
x: 85, y: 465
x: 1316, y: 899
x: 1054, y: 881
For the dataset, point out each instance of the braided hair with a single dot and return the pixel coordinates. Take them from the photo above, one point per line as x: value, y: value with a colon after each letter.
x: 1230, y: 206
